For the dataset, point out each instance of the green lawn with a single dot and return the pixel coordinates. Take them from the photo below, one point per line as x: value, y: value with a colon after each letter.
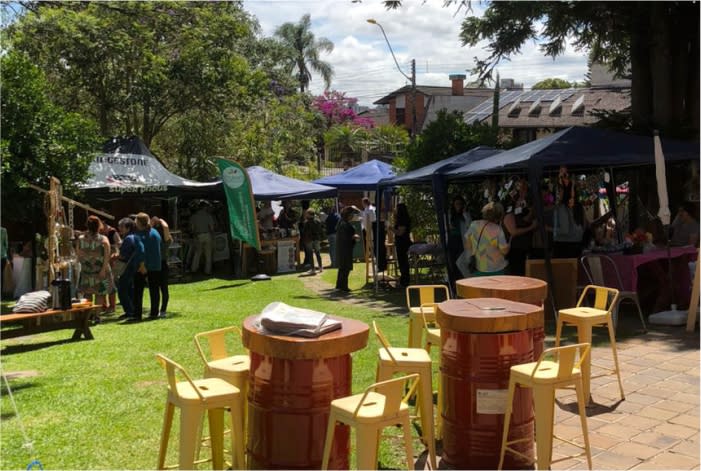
x: 99, y: 404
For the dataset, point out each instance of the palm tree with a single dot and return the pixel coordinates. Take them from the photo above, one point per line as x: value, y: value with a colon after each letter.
x: 304, y: 51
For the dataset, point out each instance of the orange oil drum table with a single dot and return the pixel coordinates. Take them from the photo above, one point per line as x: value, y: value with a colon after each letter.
x: 514, y: 288
x: 481, y: 339
x: 291, y: 385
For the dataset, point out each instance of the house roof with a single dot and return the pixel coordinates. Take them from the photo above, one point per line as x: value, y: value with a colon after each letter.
x: 534, y: 109
x: 429, y: 90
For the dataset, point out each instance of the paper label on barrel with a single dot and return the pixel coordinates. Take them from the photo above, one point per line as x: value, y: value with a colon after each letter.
x: 491, y: 401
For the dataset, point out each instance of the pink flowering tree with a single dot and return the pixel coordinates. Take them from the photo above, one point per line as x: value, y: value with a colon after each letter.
x: 336, y: 108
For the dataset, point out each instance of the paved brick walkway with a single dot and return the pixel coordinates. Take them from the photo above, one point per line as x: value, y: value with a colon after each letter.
x: 655, y: 427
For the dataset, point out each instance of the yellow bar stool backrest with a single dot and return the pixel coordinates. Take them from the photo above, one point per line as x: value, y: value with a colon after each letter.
x: 604, y: 298
x: 379, y: 406
x: 568, y: 360
x: 425, y: 294
x: 433, y: 332
x: 383, y: 341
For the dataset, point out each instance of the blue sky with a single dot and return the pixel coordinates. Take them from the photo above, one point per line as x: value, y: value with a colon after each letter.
x: 423, y: 30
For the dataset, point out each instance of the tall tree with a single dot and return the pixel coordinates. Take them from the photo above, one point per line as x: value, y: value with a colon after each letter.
x: 39, y: 140
x: 304, y: 51
x: 136, y: 65
x: 654, y: 43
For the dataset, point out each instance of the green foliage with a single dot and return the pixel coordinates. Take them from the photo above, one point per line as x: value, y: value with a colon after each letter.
x: 446, y: 136
x: 303, y: 51
x: 136, y: 65
x: 352, y: 142
x: 39, y: 140
x: 552, y: 84
x: 274, y: 132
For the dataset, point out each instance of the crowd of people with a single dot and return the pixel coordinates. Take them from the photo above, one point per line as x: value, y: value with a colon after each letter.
x: 122, y: 262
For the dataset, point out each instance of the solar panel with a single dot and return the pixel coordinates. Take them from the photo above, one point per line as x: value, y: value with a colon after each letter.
x: 484, y: 109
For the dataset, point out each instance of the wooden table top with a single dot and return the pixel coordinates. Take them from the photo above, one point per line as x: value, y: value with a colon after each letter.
x: 515, y: 288
x: 352, y: 336
x: 488, y: 315
x: 20, y: 316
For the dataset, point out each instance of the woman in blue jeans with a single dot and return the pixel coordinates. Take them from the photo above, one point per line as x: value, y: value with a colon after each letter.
x: 132, y: 253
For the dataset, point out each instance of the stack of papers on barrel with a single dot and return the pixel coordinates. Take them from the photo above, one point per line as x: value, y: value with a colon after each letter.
x: 282, y: 319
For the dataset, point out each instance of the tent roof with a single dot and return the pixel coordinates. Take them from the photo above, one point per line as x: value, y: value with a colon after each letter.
x: 362, y: 177
x: 267, y: 185
x: 423, y: 175
x: 580, y: 147
x: 126, y: 166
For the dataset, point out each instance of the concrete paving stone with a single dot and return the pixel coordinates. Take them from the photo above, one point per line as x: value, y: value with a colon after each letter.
x: 573, y: 463
x: 608, y: 460
x: 675, y: 430
x: 688, y: 379
x: 658, y: 373
x: 686, y: 397
x: 640, y: 423
x: 635, y: 450
x: 673, y: 384
x: 657, y: 413
x: 687, y: 448
x: 643, y: 397
x: 618, y: 430
x: 674, y: 366
x: 694, y: 411
x: 641, y: 361
x: 675, y: 406
x: 655, y: 440
x: 642, y: 378
x: 592, y: 424
x: 653, y: 391
x: 669, y: 460
x: 602, y: 441
x: 568, y: 432
x: 688, y: 420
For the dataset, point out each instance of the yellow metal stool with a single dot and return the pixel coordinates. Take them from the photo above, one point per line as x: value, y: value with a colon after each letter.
x: 409, y: 361
x: 433, y: 338
x: 545, y: 376
x: 380, y: 406
x: 219, y: 362
x: 585, y: 318
x: 417, y: 295
x: 194, y: 397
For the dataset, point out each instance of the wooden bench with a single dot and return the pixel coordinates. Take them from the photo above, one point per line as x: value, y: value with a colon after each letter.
x: 37, y: 322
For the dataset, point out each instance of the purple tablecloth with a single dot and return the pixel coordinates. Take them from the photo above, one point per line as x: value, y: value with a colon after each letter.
x: 628, y: 265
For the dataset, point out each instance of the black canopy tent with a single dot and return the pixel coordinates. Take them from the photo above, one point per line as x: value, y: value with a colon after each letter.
x: 577, y: 148
x: 433, y: 175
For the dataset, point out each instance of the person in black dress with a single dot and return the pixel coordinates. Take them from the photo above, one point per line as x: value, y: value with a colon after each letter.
x: 402, y: 241
x: 345, y: 240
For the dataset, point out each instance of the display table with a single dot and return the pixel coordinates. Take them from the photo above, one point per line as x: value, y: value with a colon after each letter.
x: 481, y: 339
x: 291, y: 385
x: 628, y: 265
x: 514, y: 288
x: 269, y: 254
x: 77, y: 319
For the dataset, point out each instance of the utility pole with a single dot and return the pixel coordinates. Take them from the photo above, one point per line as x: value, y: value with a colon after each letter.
x: 413, y: 99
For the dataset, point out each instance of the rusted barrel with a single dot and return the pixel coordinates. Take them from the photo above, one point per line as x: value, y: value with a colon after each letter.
x: 291, y: 385
x: 514, y: 288
x: 480, y: 340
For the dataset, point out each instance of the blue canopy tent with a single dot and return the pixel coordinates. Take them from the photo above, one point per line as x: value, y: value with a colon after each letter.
x: 434, y: 175
x: 575, y: 147
x: 267, y: 186
x: 363, y: 177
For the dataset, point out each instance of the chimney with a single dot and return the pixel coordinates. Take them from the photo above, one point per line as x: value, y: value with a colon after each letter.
x: 458, y: 81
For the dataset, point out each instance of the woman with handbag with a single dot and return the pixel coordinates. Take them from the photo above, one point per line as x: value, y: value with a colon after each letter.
x: 486, y: 241
x: 94, y: 256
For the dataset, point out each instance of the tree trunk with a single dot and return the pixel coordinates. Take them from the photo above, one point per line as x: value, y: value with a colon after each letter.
x: 662, y: 67
x: 641, y: 82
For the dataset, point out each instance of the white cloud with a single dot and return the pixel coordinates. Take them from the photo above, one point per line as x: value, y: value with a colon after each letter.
x: 424, y: 31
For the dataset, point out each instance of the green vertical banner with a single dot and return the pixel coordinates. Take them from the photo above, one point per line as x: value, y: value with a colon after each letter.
x: 239, y: 199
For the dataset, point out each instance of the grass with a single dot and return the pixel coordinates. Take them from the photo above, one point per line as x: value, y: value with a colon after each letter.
x: 99, y: 404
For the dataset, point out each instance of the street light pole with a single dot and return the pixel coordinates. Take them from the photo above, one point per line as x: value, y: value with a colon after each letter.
x: 412, y: 79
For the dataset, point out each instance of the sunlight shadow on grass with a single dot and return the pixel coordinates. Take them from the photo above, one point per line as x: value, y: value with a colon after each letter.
x: 228, y: 286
